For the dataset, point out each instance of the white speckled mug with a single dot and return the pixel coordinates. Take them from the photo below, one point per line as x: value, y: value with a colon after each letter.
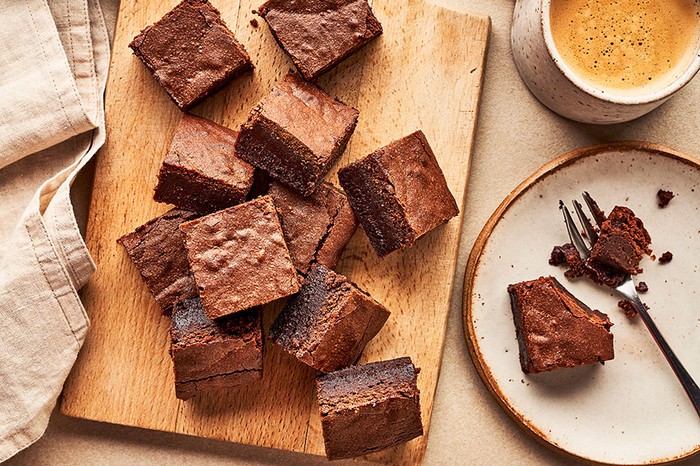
x: 558, y: 87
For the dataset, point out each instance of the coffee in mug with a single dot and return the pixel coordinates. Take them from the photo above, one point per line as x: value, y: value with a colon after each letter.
x: 630, y: 47
x: 606, y: 61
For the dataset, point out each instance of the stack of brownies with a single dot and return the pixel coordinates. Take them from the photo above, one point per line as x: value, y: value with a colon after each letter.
x: 255, y: 222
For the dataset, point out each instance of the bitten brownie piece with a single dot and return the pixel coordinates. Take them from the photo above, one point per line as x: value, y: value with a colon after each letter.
x: 239, y: 259
x: 399, y: 193
x: 296, y: 133
x: 318, y: 34
x: 201, y: 171
x: 369, y: 408
x: 211, y: 354
x: 329, y: 322
x: 191, y: 52
x: 158, y: 252
x: 622, y: 242
x: 556, y: 330
x: 316, y: 228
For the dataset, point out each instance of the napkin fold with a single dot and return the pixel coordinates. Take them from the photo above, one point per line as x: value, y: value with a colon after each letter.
x: 52, y: 76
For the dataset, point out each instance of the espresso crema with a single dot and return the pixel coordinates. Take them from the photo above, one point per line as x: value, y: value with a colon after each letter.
x: 626, y: 47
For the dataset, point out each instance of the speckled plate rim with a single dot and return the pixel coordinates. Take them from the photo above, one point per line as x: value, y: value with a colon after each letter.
x: 475, y: 259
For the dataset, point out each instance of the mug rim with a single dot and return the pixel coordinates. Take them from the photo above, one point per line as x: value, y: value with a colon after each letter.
x: 660, y: 94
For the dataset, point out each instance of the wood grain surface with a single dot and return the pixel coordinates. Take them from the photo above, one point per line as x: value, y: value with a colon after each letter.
x: 425, y: 73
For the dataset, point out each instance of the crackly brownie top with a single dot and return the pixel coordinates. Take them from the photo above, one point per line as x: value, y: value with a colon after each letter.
x: 206, y: 148
x: 239, y: 258
x: 367, y: 384
x: 158, y: 252
x: 557, y: 329
x: 308, y: 113
x: 319, y: 33
x: 191, y: 325
x: 316, y: 228
x: 418, y: 181
x: 190, y: 50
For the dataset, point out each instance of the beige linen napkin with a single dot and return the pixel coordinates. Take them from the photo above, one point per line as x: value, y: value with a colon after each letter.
x: 53, y: 70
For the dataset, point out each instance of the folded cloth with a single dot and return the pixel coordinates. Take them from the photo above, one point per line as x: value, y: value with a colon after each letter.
x: 52, y: 76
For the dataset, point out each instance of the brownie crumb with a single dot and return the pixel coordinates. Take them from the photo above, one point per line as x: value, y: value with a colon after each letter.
x: 666, y: 257
x: 255, y: 12
x: 558, y: 257
x: 628, y: 308
x: 642, y: 287
x: 254, y: 22
x: 664, y: 197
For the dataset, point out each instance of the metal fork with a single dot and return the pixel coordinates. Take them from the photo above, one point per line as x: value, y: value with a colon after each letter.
x: 626, y: 288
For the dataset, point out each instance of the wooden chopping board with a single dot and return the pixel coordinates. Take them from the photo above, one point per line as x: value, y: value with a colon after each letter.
x: 425, y: 73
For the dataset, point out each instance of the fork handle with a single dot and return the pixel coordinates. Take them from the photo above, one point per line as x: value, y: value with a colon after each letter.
x: 689, y: 385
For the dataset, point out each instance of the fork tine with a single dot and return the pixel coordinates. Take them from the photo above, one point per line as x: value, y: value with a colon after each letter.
x: 586, y: 222
x: 574, y: 234
x: 598, y: 215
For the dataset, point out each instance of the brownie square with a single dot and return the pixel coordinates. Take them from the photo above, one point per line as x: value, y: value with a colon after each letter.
x: 329, y: 322
x: 296, y: 133
x: 190, y: 52
x: 316, y: 228
x: 556, y: 330
x: 201, y: 171
x: 398, y: 193
x: 239, y: 259
x: 210, y: 354
x: 158, y: 252
x: 318, y: 34
x: 369, y: 408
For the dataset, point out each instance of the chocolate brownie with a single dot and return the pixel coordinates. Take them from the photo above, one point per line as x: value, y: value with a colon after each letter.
x: 642, y: 287
x: 622, y: 241
x: 319, y: 34
x: 556, y: 330
x: 316, y: 228
x: 296, y: 133
x: 158, y: 252
x: 666, y: 257
x: 567, y: 254
x: 399, y: 193
x: 201, y: 171
x: 664, y: 197
x: 210, y: 354
x: 329, y: 322
x: 239, y: 259
x: 369, y: 408
x: 190, y: 52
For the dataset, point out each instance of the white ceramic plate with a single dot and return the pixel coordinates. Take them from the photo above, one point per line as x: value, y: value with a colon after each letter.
x: 632, y: 409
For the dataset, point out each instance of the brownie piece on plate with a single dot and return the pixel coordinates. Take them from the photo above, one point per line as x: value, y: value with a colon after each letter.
x: 318, y: 34
x: 398, y: 193
x: 369, y: 408
x: 296, y: 133
x: 316, y: 228
x: 210, y: 354
x: 329, y: 322
x: 158, y: 252
x: 556, y: 330
x: 239, y: 259
x: 622, y: 242
x: 191, y: 52
x: 201, y: 171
